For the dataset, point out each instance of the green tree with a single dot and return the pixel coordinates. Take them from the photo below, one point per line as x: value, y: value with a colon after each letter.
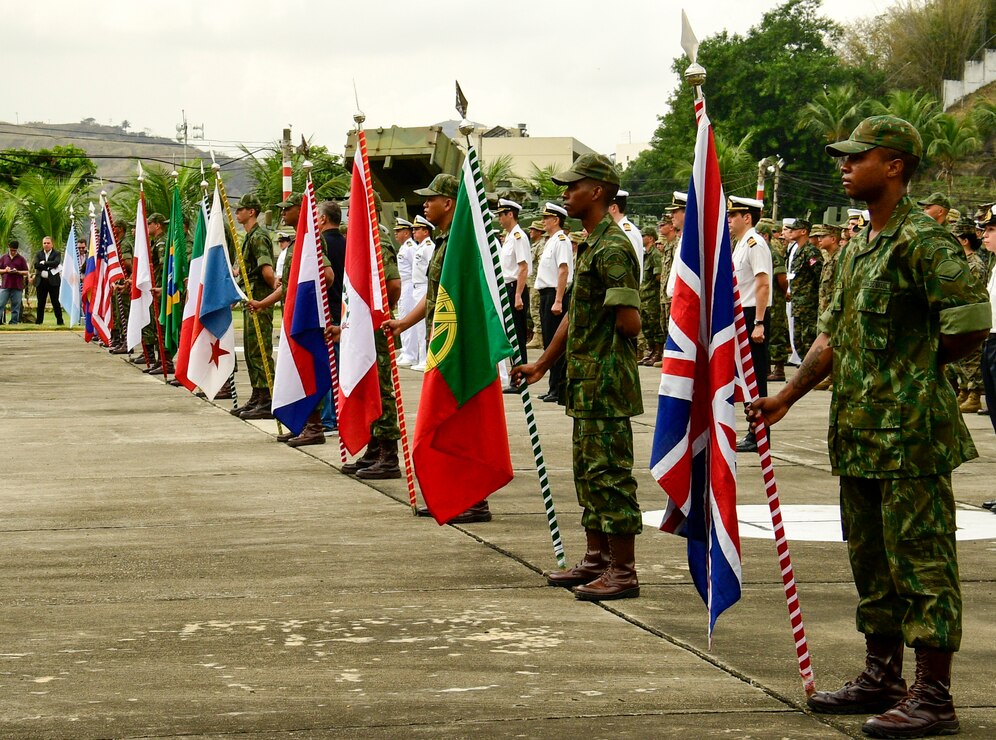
x: 330, y: 177
x: 736, y: 163
x: 8, y: 221
x: 497, y: 171
x: 59, y: 161
x: 954, y: 140
x: 984, y: 117
x: 159, y: 192
x: 833, y: 113
x: 43, y: 204
x: 758, y: 84
x: 920, y: 108
x: 541, y: 185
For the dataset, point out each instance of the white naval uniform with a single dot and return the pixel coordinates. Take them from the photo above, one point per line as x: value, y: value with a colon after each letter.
x: 556, y: 252
x: 420, y: 285
x: 515, y: 248
x: 406, y: 263
x: 636, y: 239
x: 751, y: 257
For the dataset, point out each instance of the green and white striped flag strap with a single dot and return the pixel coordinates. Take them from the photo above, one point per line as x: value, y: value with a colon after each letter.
x: 527, y: 403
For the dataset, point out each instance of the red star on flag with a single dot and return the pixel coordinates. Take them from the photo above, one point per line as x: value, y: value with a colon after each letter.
x: 217, y: 352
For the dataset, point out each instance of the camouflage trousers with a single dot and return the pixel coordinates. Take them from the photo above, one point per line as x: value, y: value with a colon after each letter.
x: 651, y: 319
x: 150, y: 337
x: 253, y: 351
x: 533, y: 317
x: 386, y: 425
x: 901, y: 542
x: 778, y: 343
x: 665, y: 318
x: 120, y: 310
x: 805, y: 326
x: 967, y: 372
x: 603, y: 475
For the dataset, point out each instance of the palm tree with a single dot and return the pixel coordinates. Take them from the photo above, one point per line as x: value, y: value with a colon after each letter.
x: 735, y: 161
x: 921, y: 109
x: 8, y: 221
x: 955, y: 139
x: 984, y: 116
x: 833, y: 113
x: 329, y: 176
x: 159, y: 184
x: 43, y: 204
x: 540, y: 183
x: 496, y: 171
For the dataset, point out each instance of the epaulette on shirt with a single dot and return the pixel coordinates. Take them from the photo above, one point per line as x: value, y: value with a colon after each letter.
x: 751, y: 241
x: 628, y: 226
x: 518, y: 233
x: 563, y: 238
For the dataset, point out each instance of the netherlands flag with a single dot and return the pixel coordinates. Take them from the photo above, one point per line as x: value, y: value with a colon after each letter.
x: 363, y: 312
x: 108, y: 272
x: 303, y: 376
x: 141, y: 279
x: 212, y: 343
x: 694, y: 448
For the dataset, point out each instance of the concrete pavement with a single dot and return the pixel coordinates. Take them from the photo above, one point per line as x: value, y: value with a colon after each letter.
x: 169, y: 570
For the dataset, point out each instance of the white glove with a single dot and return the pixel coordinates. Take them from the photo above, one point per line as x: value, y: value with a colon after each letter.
x: 45, y: 273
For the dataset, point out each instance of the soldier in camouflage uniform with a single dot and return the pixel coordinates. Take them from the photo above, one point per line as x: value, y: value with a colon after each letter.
x: 968, y: 371
x: 258, y: 283
x: 156, y: 224
x: 804, y: 264
x: 650, y: 298
x: 121, y: 303
x: 828, y: 241
x: 985, y: 219
x: 536, y: 242
x: 778, y: 345
x: 905, y: 304
x: 440, y: 202
x: 602, y: 386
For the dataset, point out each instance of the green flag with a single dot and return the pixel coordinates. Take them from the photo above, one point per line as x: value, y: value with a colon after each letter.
x: 174, y: 276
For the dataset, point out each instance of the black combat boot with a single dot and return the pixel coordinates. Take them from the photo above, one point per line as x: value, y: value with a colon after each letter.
x: 879, y: 687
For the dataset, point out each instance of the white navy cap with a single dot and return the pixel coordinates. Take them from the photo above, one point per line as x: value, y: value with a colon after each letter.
x: 790, y: 222
x: 622, y: 194
x: 424, y: 223
x: 736, y: 204
x: 402, y: 223
x: 505, y: 204
x: 552, y: 209
x: 678, y: 201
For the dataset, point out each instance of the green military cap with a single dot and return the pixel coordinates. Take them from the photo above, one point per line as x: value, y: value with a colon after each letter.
x: 819, y: 230
x: 649, y: 231
x: 249, y: 200
x: 576, y: 237
x: 445, y: 185
x: 874, y: 131
x: 665, y: 219
x: 294, y: 199
x: 766, y: 222
x: 801, y: 224
x: 125, y: 221
x: 536, y: 226
x: 935, y: 199
x: 953, y: 215
x: 965, y: 225
x: 986, y: 216
x: 157, y: 218
x: 594, y: 166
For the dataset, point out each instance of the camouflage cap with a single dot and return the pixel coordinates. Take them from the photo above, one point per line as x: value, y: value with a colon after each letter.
x: 577, y: 237
x: 286, y: 234
x: 294, y: 199
x: 445, y: 185
x: 935, y: 199
x: 986, y: 216
x: 875, y: 131
x: 249, y: 200
x: 953, y: 215
x: 801, y: 224
x: 965, y: 226
x: 649, y: 231
x: 819, y: 230
x: 665, y: 219
x: 157, y: 218
x: 536, y: 226
x: 594, y: 166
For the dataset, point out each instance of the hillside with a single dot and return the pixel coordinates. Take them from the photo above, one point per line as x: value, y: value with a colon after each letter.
x: 115, y: 150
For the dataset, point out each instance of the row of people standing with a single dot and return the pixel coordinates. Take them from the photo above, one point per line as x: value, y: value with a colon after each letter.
x: 44, y: 275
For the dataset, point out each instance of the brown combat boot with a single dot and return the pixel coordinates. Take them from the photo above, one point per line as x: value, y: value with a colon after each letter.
x: 594, y: 564
x: 971, y: 404
x: 928, y: 710
x: 658, y: 354
x: 475, y: 514
x: 645, y: 360
x: 312, y: 434
x: 370, y: 456
x: 777, y: 372
x: 262, y: 408
x: 619, y: 580
x: 386, y: 467
x: 879, y: 687
x: 253, y: 399
x: 962, y: 396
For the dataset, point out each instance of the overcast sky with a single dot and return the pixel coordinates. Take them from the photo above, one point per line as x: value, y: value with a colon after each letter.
x: 599, y: 71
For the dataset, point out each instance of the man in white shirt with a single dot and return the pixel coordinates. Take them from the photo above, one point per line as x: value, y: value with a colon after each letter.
x: 516, y: 267
x: 617, y: 209
x: 422, y: 231
x: 553, y: 277
x: 752, y: 265
x: 406, y: 262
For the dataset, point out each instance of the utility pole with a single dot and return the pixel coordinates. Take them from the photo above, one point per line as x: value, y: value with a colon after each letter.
x: 288, y: 175
x: 777, y: 166
x: 181, y: 134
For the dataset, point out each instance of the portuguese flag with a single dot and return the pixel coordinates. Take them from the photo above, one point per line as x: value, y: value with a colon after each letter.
x: 461, y: 443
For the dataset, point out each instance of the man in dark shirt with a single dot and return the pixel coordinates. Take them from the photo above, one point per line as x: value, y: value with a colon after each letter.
x: 13, y: 272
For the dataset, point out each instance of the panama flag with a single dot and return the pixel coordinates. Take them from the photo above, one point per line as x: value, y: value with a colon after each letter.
x: 461, y: 442
x: 108, y: 272
x: 182, y: 359
x: 303, y: 376
x: 694, y: 447
x: 69, y: 290
x: 363, y: 312
x: 212, y: 343
x: 90, y: 278
x: 141, y: 279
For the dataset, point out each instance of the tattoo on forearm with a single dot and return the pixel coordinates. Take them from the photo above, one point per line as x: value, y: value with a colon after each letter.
x: 813, y: 369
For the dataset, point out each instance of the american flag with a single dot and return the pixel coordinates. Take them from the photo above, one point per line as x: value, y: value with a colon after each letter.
x: 694, y: 449
x: 109, y: 271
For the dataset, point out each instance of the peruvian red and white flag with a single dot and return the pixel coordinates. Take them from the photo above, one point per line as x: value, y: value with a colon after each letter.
x: 363, y: 312
x: 212, y: 343
x: 108, y: 272
x: 141, y: 279
x: 303, y: 376
x: 182, y: 360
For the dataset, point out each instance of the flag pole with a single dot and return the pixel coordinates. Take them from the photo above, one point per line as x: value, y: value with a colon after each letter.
x: 361, y: 141
x: 326, y: 311
x: 695, y: 75
x: 466, y: 127
x: 245, y: 280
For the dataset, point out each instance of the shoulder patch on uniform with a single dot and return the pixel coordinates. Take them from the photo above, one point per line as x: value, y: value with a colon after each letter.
x: 616, y: 272
x: 950, y: 269
x: 813, y: 261
x: 751, y: 241
x: 628, y: 226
